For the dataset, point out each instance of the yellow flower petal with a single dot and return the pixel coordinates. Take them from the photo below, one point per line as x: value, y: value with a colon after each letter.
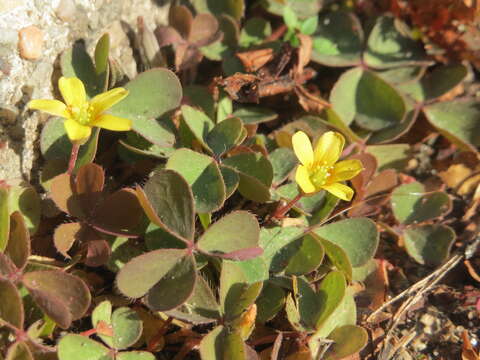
x: 76, y: 131
x: 106, y: 100
x: 302, y: 148
x: 111, y: 122
x: 329, y: 148
x: 346, y: 170
x: 341, y: 191
x: 303, y: 180
x: 73, y: 91
x: 53, y: 107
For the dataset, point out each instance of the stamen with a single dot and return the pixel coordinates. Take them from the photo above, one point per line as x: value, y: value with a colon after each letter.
x: 320, y: 173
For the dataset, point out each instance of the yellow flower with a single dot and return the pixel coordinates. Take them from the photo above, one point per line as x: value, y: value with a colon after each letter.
x: 319, y: 169
x: 81, y: 115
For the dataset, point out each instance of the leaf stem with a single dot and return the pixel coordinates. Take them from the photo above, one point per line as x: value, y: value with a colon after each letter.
x: 73, y: 157
x: 281, y: 211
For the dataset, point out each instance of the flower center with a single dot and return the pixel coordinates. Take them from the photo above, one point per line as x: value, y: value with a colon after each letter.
x: 83, y: 114
x: 319, y: 173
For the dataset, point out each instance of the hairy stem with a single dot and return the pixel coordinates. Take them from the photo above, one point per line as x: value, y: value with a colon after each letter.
x: 281, y: 211
x: 73, y: 158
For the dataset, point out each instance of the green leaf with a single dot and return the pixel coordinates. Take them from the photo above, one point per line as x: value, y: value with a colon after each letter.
x: 388, y: 47
x: 11, y: 306
x: 19, y: 351
x: 347, y: 340
x: 225, y: 135
x: 200, y: 96
x: 230, y: 178
x: 24, y: 198
x: 411, y: 204
x: 198, y: 123
x: 303, y: 8
x: 254, y: 31
x: 62, y: 297
x: 308, y: 303
x: 101, y: 53
x: 308, y: 204
x: 135, y: 355
x: 168, y: 202
x: 175, y: 287
x: 334, y: 119
x: 338, y: 257
x: 203, y: 175
x: 307, y: 257
x: 132, y: 279
x: 76, y: 62
x: 158, y: 132
x: 236, y: 295
x: 256, y: 175
x: 358, y: 237
x: 330, y: 293
x: 290, y: 18
x: 224, y: 107
x: 236, y: 231
x: 364, y: 97
x: 234, y: 8
x: 338, y: 40
x: 293, y: 314
x: 123, y: 250
x: 429, y: 244
x: 401, y: 75
x: 254, y: 270
x: 200, y: 308
x: 309, y: 25
x: 270, y: 301
x: 274, y: 241
x: 254, y: 114
x: 103, y: 312
x: 391, y: 156
x: 222, y: 344
x: 157, y: 238
x: 4, y: 218
x: 127, y: 327
x: 345, y: 314
x: 151, y: 94
x: 78, y: 347
x: 392, y: 133
x: 54, y: 143
x: 283, y: 162
x: 101, y: 61
x: 457, y: 120
x: 437, y: 83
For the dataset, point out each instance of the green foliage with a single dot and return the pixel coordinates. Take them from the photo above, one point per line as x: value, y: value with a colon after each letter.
x: 200, y: 254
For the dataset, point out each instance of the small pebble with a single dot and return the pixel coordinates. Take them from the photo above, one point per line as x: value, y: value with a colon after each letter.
x: 30, y: 42
x: 66, y: 10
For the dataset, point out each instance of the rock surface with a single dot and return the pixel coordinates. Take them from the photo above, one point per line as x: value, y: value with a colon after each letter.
x: 34, y: 34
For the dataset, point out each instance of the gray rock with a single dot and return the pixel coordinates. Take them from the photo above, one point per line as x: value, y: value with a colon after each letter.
x: 62, y: 22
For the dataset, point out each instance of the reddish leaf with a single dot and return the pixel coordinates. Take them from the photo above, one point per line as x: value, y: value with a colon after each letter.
x: 18, y: 247
x: 119, y: 211
x: 63, y: 297
x: 98, y: 252
x: 65, y: 235
x: 204, y: 30
x: 7, y: 267
x: 243, y: 254
x: 11, y: 306
x: 181, y: 19
x: 62, y: 194
x: 89, y: 185
x: 167, y: 35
